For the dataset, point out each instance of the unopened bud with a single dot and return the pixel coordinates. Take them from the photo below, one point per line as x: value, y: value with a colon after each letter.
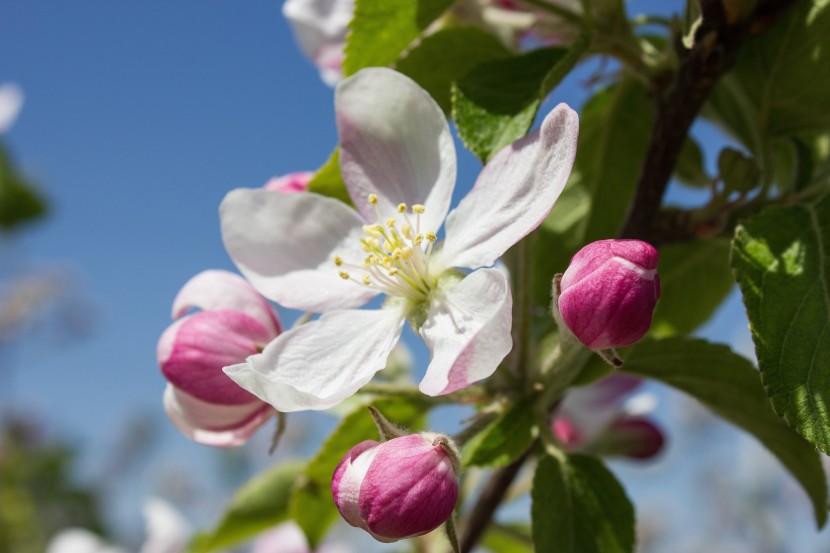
x: 609, y: 291
x: 397, y: 489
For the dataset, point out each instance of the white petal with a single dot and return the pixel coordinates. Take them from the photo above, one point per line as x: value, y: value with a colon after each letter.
x: 212, y: 424
x: 79, y: 540
x: 167, y: 531
x: 216, y: 289
x: 468, y: 332
x: 321, y: 363
x: 394, y: 142
x: 513, y: 194
x: 320, y: 27
x: 285, y: 244
x: 11, y: 100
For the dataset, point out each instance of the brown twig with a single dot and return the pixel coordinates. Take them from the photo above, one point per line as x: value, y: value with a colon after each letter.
x: 717, y: 42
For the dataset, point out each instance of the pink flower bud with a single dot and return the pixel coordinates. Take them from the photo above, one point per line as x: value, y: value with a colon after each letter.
x: 609, y: 292
x: 397, y: 489
x: 292, y: 182
x: 234, y: 323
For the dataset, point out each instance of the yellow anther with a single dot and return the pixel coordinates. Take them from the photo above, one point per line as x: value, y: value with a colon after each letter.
x: 406, y: 254
x: 418, y: 208
x: 373, y: 199
x: 393, y: 272
x: 431, y: 236
x: 338, y: 260
x: 387, y: 246
x: 418, y: 239
x: 373, y: 230
x: 390, y: 222
x: 367, y: 262
x: 366, y: 280
x: 397, y: 253
x: 406, y: 230
x: 401, y: 208
x: 386, y: 261
x: 344, y: 275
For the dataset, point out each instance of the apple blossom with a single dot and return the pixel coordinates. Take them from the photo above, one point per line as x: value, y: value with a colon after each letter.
x: 314, y: 253
x: 234, y: 323
x: 609, y: 291
x: 605, y: 418
x: 320, y: 27
x: 397, y: 489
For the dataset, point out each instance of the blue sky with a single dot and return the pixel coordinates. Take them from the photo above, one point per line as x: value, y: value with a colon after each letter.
x: 139, y: 117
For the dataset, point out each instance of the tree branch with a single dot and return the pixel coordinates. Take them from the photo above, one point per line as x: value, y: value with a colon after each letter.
x: 717, y: 42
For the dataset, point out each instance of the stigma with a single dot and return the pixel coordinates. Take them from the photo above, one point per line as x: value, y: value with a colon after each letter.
x: 397, y: 252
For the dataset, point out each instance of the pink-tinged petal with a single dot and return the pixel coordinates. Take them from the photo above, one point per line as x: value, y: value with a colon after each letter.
x: 11, y: 100
x: 167, y: 531
x: 347, y: 479
x: 321, y: 363
x: 217, y: 289
x: 513, y: 194
x: 290, y: 183
x: 211, y: 424
x: 409, y: 489
x: 633, y: 437
x: 285, y: 538
x: 194, y: 349
x: 394, y: 142
x: 285, y: 245
x: 320, y: 27
x: 467, y: 332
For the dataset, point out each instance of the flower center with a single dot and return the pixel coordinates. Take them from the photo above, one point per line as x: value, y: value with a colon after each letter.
x: 397, y: 258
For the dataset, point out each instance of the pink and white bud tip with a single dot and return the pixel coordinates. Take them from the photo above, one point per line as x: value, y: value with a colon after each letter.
x: 397, y: 489
x: 608, y: 293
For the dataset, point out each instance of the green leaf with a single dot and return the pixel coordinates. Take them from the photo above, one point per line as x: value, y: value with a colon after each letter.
x: 261, y: 503
x: 20, y: 202
x: 780, y: 80
x: 381, y: 30
x: 782, y: 260
x: 580, y: 507
x: 312, y: 506
x: 613, y: 136
x: 328, y: 181
x: 729, y: 385
x: 444, y: 57
x: 689, y: 169
x: 512, y: 538
x: 496, y: 103
x: 505, y: 440
x: 695, y: 278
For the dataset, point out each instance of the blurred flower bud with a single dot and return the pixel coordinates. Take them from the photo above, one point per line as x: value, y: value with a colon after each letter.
x: 292, y: 182
x: 738, y: 172
x: 609, y: 291
x: 234, y: 323
x: 397, y: 489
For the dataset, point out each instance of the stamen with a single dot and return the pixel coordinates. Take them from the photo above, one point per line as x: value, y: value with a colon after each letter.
x: 366, y: 280
x: 344, y: 275
x: 431, y: 237
x: 390, y: 222
x: 375, y: 230
x: 401, y: 208
x: 406, y: 230
x: 418, y: 208
x: 418, y: 239
x: 338, y: 260
x: 373, y: 199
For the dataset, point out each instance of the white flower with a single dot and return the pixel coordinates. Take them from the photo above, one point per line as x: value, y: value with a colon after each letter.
x: 11, y: 100
x: 314, y: 253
